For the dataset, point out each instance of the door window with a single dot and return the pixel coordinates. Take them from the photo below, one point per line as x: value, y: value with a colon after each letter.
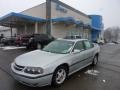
x: 79, y: 46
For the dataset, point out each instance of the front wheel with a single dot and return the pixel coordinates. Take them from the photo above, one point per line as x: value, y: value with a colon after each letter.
x: 59, y: 76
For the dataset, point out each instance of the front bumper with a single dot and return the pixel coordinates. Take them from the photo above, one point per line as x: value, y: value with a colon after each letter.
x: 38, y: 81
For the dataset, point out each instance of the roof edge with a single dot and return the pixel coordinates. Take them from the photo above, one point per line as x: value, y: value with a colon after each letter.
x: 22, y: 16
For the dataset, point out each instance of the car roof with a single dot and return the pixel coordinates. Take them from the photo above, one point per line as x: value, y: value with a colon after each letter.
x: 73, y: 40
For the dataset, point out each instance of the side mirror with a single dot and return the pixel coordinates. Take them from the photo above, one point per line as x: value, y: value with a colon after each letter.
x: 76, y: 51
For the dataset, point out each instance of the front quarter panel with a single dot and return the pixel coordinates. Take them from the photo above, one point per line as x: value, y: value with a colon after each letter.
x: 50, y: 68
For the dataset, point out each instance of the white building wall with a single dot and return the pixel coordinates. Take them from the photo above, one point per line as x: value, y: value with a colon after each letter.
x: 69, y: 13
x: 61, y: 30
x: 58, y: 30
x: 37, y: 11
x: 30, y: 29
x: 42, y: 28
x: 7, y: 32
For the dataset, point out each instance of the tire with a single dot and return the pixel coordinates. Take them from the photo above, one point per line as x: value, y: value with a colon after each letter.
x: 95, y: 60
x: 39, y: 46
x: 59, y: 76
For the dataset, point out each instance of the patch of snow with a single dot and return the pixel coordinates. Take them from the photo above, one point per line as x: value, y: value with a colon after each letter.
x: 104, y: 81
x: 111, y: 43
x: 11, y: 47
x: 92, y: 72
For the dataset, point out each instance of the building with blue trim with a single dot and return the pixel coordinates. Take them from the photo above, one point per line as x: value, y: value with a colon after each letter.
x: 96, y: 27
x: 52, y: 17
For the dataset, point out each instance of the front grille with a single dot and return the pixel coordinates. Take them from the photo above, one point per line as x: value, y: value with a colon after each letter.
x: 18, y: 67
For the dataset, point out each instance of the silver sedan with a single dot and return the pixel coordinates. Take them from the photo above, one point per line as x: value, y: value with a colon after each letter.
x: 53, y: 64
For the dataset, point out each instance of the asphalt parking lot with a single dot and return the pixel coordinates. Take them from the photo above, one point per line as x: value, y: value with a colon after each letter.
x: 106, y: 78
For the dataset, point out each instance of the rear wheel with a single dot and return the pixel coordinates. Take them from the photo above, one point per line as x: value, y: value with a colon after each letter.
x: 59, y: 76
x: 95, y: 60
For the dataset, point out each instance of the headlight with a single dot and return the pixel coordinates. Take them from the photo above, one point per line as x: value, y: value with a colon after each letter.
x: 33, y: 70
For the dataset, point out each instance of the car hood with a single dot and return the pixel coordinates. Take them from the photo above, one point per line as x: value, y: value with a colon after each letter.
x: 37, y: 58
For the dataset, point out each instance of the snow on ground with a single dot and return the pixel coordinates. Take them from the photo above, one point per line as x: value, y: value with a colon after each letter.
x: 11, y: 47
x: 111, y: 43
x: 92, y: 72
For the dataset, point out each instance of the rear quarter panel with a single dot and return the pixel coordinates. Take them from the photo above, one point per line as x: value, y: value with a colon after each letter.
x: 96, y: 49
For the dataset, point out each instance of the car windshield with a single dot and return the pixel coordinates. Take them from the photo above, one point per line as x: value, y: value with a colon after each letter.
x: 59, y: 46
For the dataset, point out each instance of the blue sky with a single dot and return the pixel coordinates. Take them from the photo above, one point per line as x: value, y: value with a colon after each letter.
x: 109, y: 9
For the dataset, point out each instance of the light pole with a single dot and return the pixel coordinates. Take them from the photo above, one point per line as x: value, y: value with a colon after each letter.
x: 48, y: 17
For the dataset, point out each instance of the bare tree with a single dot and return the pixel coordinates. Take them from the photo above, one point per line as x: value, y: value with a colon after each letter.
x: 112, y: 34
x: 116, y: 32
x: 107, y: 35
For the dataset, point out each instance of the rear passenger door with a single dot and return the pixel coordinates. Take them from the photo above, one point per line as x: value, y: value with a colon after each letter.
x: 89, y: 51
x: 77, y: 56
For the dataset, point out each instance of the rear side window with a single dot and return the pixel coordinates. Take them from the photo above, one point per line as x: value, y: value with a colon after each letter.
x: 79, y: 46
x: 88, y: 44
